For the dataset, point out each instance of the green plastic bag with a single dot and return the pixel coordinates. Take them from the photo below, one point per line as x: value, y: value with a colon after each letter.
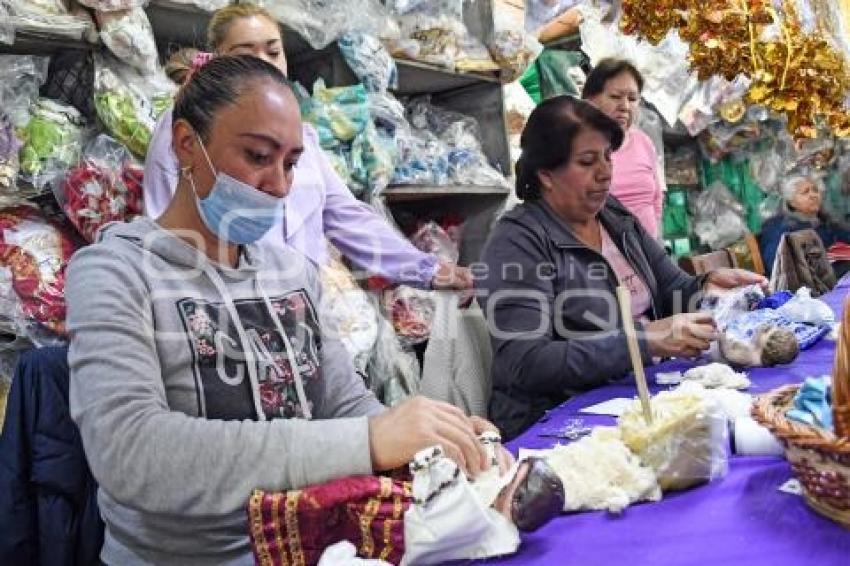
x: 675, y: 221
x: 553, y: 66
x: 734, y: 172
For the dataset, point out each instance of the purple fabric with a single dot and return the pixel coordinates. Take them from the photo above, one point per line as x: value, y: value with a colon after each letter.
x: 740, y: 519
x: 319, y: 206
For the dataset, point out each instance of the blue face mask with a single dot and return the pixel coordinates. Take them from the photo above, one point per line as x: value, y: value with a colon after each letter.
x: 235, y: 211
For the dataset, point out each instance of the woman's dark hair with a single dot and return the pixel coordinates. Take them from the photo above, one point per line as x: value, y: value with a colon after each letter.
x: 547, y: 139
x: 219, y: 83
x: 606, y: 70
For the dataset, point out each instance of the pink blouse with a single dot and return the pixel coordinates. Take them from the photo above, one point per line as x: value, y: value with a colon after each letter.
x: 636, y: 182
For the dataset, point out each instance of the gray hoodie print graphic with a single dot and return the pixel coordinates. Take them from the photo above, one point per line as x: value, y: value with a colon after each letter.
x: 193, y: 384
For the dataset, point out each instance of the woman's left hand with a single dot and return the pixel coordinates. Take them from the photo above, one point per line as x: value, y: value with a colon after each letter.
x: 506, y: 459
x: 725, y: 278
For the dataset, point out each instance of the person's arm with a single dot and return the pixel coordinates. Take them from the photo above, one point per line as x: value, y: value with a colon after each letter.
x: 161, y: 169
x: 519, y: 306
x: 771, y: 235
x: 366, y: 238
x: 151, y: 458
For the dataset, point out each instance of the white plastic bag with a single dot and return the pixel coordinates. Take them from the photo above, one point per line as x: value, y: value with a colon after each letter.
x: 322, y: 21
x: 130, y: 38
x: 804, y: 308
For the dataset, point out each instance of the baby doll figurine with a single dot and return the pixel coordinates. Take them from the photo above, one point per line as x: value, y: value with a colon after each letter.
x: 770, y: 345
x: 750, y: 337
x: 454, y: 518
x: 438, y: 516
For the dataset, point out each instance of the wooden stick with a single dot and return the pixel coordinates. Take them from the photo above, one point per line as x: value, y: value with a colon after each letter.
x: 624, y: 297
x: 841, y: 378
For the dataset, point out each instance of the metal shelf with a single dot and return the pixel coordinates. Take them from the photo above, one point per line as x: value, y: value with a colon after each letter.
x: 416, y: 77
x: 404, y: 193
x: 31, y: 43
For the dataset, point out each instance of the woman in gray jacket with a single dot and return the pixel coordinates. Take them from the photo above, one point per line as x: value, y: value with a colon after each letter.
x: 553, y: 265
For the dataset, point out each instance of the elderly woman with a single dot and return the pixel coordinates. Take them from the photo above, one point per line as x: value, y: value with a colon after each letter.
x: 553, y: 265
x: 802, y: 197
x: 614, y: 86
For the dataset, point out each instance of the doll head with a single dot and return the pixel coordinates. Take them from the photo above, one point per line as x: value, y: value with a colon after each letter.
x: 777, y: 345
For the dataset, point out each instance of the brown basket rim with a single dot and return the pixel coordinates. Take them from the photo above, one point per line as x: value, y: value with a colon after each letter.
x: 769, y: 411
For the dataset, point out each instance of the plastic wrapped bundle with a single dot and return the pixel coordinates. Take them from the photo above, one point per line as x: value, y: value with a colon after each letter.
x: 718, y: 217
x: 115, y: 5
x: 467, y: 164
x: 7, y: 29
x: 686, y: 442
x: 348, y: 314
x: 432, y: 31
x: 52, y: 141
x: 129, y: 36
x: 50, y: 17
x: 364, y: 158
x: 105, y: 186
x: 9, y: 162
x: 36, y: 252
x: 394, y: 372
x: 21, y: 77
x: 129, y: 103
x: 320, y: 22
x: 511, y: 47
x: 370, y: 61
x: 433, y: 239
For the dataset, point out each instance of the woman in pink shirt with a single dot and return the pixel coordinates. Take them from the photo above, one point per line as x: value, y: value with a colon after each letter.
x: 614, y: 86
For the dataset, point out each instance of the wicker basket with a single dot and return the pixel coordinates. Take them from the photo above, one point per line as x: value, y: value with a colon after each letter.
x: 819, y: 458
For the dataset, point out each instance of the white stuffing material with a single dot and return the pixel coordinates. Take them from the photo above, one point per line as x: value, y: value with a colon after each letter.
x: 600, y: 472
x: 717, y: 375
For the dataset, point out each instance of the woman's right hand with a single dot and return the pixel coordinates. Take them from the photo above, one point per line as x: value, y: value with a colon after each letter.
x: 683, y: 335
x: 396, y: 435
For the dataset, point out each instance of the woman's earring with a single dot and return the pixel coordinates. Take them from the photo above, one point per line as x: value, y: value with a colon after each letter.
x: 186, y: 171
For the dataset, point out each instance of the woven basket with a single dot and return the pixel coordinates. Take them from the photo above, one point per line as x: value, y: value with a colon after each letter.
x: 819, y: 458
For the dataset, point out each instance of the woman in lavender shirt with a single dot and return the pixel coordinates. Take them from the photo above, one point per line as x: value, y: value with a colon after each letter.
x: 320, y: 206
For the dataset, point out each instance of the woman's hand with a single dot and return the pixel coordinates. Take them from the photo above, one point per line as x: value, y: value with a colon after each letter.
x: 395, y: 436
x: 683, y: 335
x: 505, y: 458
x: 452, y: 277
x: 726, y: 278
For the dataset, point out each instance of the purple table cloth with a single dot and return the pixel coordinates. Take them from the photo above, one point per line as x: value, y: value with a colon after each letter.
x: 739, y: 519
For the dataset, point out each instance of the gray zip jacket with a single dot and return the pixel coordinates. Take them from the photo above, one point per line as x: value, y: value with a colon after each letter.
x: 550, y: 302
x: 191, y: 384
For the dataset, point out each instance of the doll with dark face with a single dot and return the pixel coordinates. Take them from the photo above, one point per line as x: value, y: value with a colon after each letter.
x: 769, y: 346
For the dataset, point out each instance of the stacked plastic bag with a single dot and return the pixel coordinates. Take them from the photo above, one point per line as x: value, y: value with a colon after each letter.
x: 34, y: 253
x: 49, y: 18
x: 20, y: 79
x: 52, y: 140
x: 321, y: 22
x: 105, y: 186
x: 129, y: 103
x: 442, y: 147
x: 129, y: 36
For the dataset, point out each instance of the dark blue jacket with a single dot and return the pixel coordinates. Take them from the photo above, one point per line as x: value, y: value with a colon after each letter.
x: 48, y: 497
x: 551, y: 307
x: 829, y: 230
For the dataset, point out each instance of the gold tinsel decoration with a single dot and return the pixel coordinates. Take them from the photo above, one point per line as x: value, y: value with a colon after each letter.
x: 800, y: 75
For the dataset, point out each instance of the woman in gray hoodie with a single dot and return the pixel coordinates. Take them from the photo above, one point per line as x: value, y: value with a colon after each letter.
x: 199, y: 370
